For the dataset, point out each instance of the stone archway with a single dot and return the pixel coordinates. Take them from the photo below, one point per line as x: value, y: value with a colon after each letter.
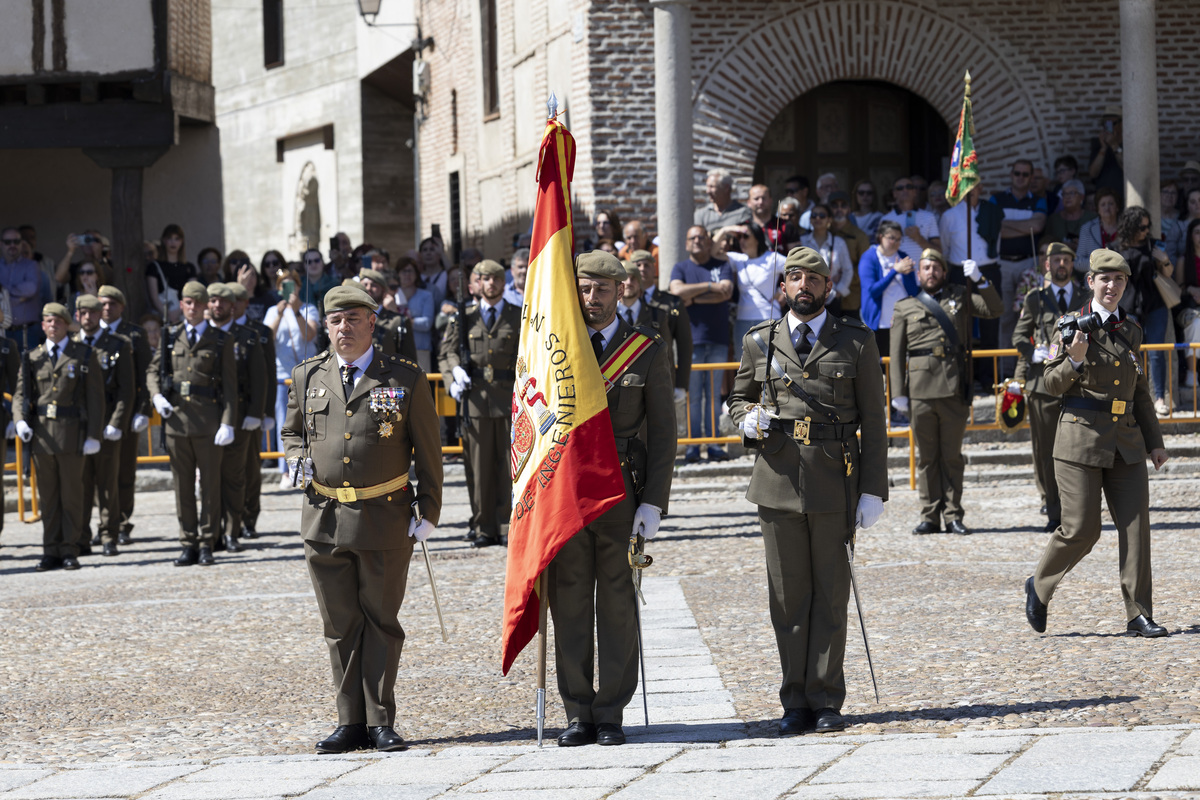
x: 807, y: 44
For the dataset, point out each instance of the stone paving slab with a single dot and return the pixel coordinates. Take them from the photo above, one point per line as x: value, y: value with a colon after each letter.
x: 864, y: 767
x: 233, y: 790
x: 13, y: 778
x: 635, y: 755
x: 870, y: 791
x: 109, y: 782
x: 1177, y: 773
x: 407, y: 771
x: 805, y: 760
x: 313, y: 769
x: 750, y: 783
x: 607, y: 777
x: 577, y: 793
x: 1110, y: 761
x: 415, y: 792
x: 1190, y: 746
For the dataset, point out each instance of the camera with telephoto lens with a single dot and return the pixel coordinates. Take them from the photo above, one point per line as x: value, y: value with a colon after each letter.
x: 1086, y: 323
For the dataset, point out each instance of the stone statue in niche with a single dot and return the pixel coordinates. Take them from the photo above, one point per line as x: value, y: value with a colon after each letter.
x: 306, y: 225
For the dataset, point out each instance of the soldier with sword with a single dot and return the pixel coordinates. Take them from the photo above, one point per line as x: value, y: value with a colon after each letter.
x: 808, y: 385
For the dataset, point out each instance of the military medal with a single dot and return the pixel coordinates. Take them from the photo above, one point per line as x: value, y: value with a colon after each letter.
x: 385, y: 429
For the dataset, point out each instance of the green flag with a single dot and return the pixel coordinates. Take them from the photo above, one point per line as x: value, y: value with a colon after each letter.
x: 964, y: 163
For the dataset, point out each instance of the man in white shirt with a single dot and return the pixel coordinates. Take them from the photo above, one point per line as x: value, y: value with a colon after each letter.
x: 920, y: 227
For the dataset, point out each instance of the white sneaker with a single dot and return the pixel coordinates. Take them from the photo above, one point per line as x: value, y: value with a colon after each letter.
x: 285, y: 481
x: 1161, y: 407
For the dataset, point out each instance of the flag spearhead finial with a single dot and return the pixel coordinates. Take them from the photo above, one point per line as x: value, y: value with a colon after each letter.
x: 552, y: 106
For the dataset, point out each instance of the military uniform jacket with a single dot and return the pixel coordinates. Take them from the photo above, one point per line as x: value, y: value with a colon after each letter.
x: 393, y: 336
x: 930, y: 376
x: 352, y: 445
x: 203, y: 381
x: 1036, y: 326
x: 1108, y: 372
x: 495, y: 348
x: 114, y: 353
x: 666, y: 315
x: 142, y: 355
x: 252, y: 373
x: 842, y: 373
x: 10, y: 371
x: 266, y: 340
x: 62, y: 402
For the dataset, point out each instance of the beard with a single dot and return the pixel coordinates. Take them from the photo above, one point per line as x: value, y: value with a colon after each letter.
x: 804, y: 304
x: 933, y: 285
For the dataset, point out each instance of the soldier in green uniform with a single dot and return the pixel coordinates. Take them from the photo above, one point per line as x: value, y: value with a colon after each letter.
x: 813, y: 480
x: 59, y: 406
x: 486, y: 386
x: 112, y: 307
x: 10, y: 370
x: 930, y: 369
x: 1032, y: 336
x: 393, y: 332
x: 259, y: 443
x: 1105, y: 430
x: 668, y: 317
x: 356, y: 421
x: 589, y: 578
x: 102, y: 470
x: 193, y: 383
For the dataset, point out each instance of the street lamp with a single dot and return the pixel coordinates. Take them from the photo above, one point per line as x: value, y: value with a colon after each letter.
x: 369, y: 7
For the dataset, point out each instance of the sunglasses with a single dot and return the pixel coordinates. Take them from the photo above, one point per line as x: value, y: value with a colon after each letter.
x: 87, y: 272
x: 11, y: 241
x: 1144, y: 226
x: 271, y: 263
x: 1021, y: 174
x: 240, y: 262
x: 818, y: 216
x: 904, y: 187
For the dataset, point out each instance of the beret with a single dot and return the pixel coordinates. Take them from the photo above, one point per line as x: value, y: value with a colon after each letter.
x: 1059, y: 249
x: 195, y: 290
x: 344, y: 298
x: 373, y: 275
x: 114, y: 293
x: 805, y: 258
x: 56, y: 310
x: 599, y: 264
x: 220, y: 290
x: 631, y: 270
x: 1108, y: 261
x: 486, y: 267
x: 88, y: 301
x: 640, y: 255
x: 239, y: 292
x: 933, y: 255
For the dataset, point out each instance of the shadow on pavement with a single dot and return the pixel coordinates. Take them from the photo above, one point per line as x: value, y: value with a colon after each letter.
x: 986, y: 710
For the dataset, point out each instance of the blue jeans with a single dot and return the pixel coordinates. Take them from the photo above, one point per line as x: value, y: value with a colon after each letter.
x: 704, y: 391
x: 281, y: 398
x: 1155, y: 325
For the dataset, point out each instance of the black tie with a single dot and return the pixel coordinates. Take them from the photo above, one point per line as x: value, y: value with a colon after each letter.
x: 348, y: 371
x: 89, y: 340
x: 629, y: 316
x: 491, y: 318
x: 191, y: 337
x: 597, y: 345
x: 803, y: 348
x: 54, y: 354
x: 1062, y: 301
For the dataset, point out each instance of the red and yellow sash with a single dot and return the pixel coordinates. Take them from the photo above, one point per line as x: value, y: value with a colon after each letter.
x: 616, y: 364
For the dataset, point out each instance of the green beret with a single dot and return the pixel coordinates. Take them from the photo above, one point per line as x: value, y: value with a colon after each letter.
x: 805, y: 258
x: 220, y: 290
x: 56, y: 310
x: 631, y: 270
x: 373, y: 275
x: 1059, y: 249
x: 239, y: 292
x: 88, y: 301
x: 1108, y: 261
x: 114, y: 293
x: 599, y: 264
x: 640, y: 255
x: 195, y: 290
x: 488, y: 267
x: 933, y: 255
x: 344, y: 298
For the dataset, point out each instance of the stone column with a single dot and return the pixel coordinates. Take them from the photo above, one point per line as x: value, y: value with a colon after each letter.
x: 1139, y: 93
x: 673, y: 129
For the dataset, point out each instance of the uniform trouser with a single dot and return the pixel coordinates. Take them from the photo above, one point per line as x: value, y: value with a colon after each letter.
x: 808, y: 583
x: 189, y: 453
x: 590, y: 580
x: 1043, y: 411
x: 253, y: 481
x: 58, y: 480
x: 486, y: 442
x: 233, y: 481
x: 938, y: 426
x: 359, y: 593
x: 127, y: 476
x: 100, y: 483
x: 1126, y: 488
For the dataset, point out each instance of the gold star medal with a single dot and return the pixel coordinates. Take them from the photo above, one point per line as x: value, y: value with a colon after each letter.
x: 385, y: 429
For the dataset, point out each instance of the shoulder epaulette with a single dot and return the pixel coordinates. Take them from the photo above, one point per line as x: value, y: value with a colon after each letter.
x: 318, y: 357
x: 648, y: 332
x: 851, y: 322
x: 766, y: 323
x: 395, y: 359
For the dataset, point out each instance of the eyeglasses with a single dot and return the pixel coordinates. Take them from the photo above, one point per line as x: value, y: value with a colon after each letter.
x: 87, y: 272
x: 818, y: 216
x: 271, y: 263
x: 903, y: 187
x: 11, y: 241
x: 1016, y: 174
x: 1145, y: 226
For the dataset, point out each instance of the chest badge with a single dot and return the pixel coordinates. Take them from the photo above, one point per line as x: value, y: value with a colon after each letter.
x: 385, y: 430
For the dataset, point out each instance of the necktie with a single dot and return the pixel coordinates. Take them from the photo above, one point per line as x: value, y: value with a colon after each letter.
x: 490, y: 318
x: 348, y: 371
x: 597, y: 345
x: 629, y: 316
x: 191, y: 337
x: 1062, y: 301
x: 89, y: 340
x: 803, y: 348
x: 54, y: 354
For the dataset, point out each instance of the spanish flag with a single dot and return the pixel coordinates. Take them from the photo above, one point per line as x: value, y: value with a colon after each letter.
x: 564, y: 463
x: 964, y: 163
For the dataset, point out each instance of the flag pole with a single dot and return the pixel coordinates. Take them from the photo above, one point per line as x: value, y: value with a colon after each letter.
x: 541, y: 667
x: 967, y: 96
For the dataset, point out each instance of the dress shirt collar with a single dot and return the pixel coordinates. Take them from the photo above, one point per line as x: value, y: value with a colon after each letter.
x: 241, y: 320
x: 636, y: 308
x: 484, y: 305
x: 226, y: 326
x: 362, y: 362
x: 115, y: 327
x: 606, y: 333
x: 199, y: 329
x: 814, y: 325
x: 1069, y: 289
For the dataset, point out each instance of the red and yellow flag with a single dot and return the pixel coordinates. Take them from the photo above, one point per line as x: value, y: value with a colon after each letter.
x: 564, y: 463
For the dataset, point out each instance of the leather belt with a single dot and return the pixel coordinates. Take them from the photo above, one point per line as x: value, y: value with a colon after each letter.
x: 940, y: 351
x: 185, y: 389
x: 1089, y: 404
x: 55, y: 411
x: 1016, y: 258
x: 349, y: 494
x: 803, y: 430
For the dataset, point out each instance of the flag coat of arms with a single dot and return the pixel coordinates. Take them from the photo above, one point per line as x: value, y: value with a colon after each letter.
x: 964, y: 163
x: 565, y: 469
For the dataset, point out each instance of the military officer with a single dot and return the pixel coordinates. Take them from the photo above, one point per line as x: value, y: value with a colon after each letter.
x: 1105, y: 430
x: 668, y: 316
x: 1032, y: 336
x: 112, y: 307
x: 813, y: 481
x: 10, y: 369
x: 266, y: 341
x: 192, y: 382
x: 356, y: 421
x: 589, y: 578
x: 59, y: 406
x: 393, y: 332
x: 251, y: 396
x: 930, y: 366
x: 101, y: 471
x: 486, y: 386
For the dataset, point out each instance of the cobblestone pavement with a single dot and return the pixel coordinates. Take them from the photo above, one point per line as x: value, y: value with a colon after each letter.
x: 128, y: 677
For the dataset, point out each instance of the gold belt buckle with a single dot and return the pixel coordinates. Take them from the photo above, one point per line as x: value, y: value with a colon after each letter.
x: 346, y: 494
x: 939, y: 351
x: 800, y: 431
x: 52, y: 411
x: 1118, y: 406
x: 185, y: 389
x: 488, y: 373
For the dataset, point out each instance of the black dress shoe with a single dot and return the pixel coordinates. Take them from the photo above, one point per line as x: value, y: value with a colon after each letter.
x: 1043, y: 509
x: 829, y: 720
x: 609, y: 733
x: 85, y: 549
x: 718, y: 455
x: 249, y: 533
x: 580, y: 733
x: 797, y: 721
x: 110, y: 549
x: 124, y: 538
x: 927, y: 527
x: 96, y: 540
x: 1052, y: 525
x: 205, y: 558
x: 1144, y: 626
x: 1035, y: 609
x: 48, y: 563
x: 187, y: 557
x: 956, y: 526
x: 385, y: 739
x: 344, y: 739
x: 485, y: 541
x: 70, y: 562
x: 218, y: 543
x: 470, y: 536
x: 231, y: 544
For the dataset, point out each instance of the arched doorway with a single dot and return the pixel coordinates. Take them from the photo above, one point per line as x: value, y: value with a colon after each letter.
x: 854, y: 129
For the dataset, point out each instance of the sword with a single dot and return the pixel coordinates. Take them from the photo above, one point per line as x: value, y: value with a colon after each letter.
x: 638, y: 561
x: 429, y: 568
x: 858, y: 605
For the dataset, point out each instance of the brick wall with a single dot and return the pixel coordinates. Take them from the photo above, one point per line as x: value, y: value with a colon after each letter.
x: 189, y: 38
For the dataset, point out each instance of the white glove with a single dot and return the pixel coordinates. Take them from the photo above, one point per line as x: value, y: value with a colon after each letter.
x: 646, y: 520
x: 972, y: 271
x: 420, y: 529
x: 112, y: 434
x: 10, y: 431
x: 758, y: 418
x: 1041, y: 353
x: 164, y: 408
x: 870, y: 509
x: 268, y: 423
x: 1014, y: 387
x: 24, y: 431
x: 680, y: 394
x: 224, y: 436
x: 251, y: 424
x: 456, y: 390
x: 91, y: 446
x: 900, y: 404
x: 140, y: 423
x: 293, y: 465
x: 461, y: 376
